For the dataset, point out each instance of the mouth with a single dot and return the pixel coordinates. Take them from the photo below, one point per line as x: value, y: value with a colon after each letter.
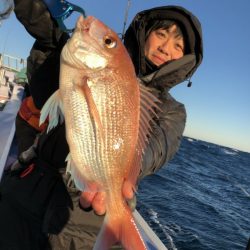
x: 83, y: 49
x: 158, y: 60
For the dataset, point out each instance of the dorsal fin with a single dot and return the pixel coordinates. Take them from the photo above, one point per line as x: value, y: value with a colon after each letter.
x: 148, y: 110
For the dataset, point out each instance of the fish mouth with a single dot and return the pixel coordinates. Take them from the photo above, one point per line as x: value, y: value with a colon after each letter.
x: 83, y: 49
x: 84, y: 24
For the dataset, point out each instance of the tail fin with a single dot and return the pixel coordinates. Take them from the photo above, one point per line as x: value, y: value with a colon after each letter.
x: 119, y: 229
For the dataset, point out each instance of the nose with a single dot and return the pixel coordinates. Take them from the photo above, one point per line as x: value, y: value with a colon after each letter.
x: 165, y: 48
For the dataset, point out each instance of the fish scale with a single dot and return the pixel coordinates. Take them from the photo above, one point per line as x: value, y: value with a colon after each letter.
x: 96, y: 155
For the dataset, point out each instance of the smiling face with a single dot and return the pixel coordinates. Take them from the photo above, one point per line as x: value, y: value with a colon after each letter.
x: 163, y: 45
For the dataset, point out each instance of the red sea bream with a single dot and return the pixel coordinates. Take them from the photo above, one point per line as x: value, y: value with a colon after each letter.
x: 107, y: 119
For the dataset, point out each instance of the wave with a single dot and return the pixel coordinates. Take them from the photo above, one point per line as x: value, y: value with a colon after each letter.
x: 243, y: 190
x: 230, y: 152
x: 154, y: 217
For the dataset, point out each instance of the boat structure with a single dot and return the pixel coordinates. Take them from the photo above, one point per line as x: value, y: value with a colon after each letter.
x: 12, y: 82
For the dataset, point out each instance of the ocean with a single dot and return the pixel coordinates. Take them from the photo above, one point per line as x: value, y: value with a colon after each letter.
x: 200, y: 199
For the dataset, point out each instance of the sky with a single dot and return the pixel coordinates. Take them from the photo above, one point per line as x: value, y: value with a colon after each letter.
x: 218, y: 103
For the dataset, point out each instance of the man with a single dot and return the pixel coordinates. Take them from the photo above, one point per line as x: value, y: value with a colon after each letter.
x: 165, y: 46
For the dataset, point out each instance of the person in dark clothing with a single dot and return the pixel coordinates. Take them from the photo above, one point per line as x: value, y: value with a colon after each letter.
x: 40, y: 191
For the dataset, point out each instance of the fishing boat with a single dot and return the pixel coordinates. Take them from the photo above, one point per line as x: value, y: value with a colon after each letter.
x: 12, y: 80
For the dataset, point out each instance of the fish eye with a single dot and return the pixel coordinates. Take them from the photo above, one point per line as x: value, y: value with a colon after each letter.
x: 109, y: 42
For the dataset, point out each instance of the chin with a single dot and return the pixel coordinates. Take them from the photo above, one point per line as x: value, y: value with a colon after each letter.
x: 157, y: 62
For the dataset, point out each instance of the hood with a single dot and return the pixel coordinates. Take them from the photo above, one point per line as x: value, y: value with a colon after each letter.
x: 173, y: 72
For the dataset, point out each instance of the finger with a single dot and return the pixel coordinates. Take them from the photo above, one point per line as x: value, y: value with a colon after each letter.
x: 98, y: 203
x: 128, y: 190
x: 86, y: 199
x: 88, y: 195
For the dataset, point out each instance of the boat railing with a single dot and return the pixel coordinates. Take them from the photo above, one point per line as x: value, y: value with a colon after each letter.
x: 12, y: 63
x: 10, y: 67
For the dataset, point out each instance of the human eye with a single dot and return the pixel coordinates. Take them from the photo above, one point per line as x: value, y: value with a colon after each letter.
x: 179, y: 47
x: 160, y: 34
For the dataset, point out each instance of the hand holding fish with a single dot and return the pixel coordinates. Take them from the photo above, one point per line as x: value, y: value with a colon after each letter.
x: 96, y: 199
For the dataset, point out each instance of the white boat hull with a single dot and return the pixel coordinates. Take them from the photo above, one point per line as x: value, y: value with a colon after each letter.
x: 7, y: 126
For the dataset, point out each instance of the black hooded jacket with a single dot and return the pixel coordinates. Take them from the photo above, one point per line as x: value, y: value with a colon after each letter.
x: 166, y: 136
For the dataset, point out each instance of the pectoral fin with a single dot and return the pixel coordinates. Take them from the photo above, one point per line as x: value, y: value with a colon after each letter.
x: 93, y: 111
x: 53, y: 109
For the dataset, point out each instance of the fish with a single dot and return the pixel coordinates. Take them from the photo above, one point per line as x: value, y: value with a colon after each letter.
x: 108, y: 117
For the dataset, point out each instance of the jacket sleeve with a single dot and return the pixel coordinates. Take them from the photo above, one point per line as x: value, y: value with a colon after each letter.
x: 164, y: 141
x: 37, y: 20
x: 43, y: 63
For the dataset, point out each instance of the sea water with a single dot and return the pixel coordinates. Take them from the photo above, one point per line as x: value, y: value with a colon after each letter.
x: 201, y: 199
